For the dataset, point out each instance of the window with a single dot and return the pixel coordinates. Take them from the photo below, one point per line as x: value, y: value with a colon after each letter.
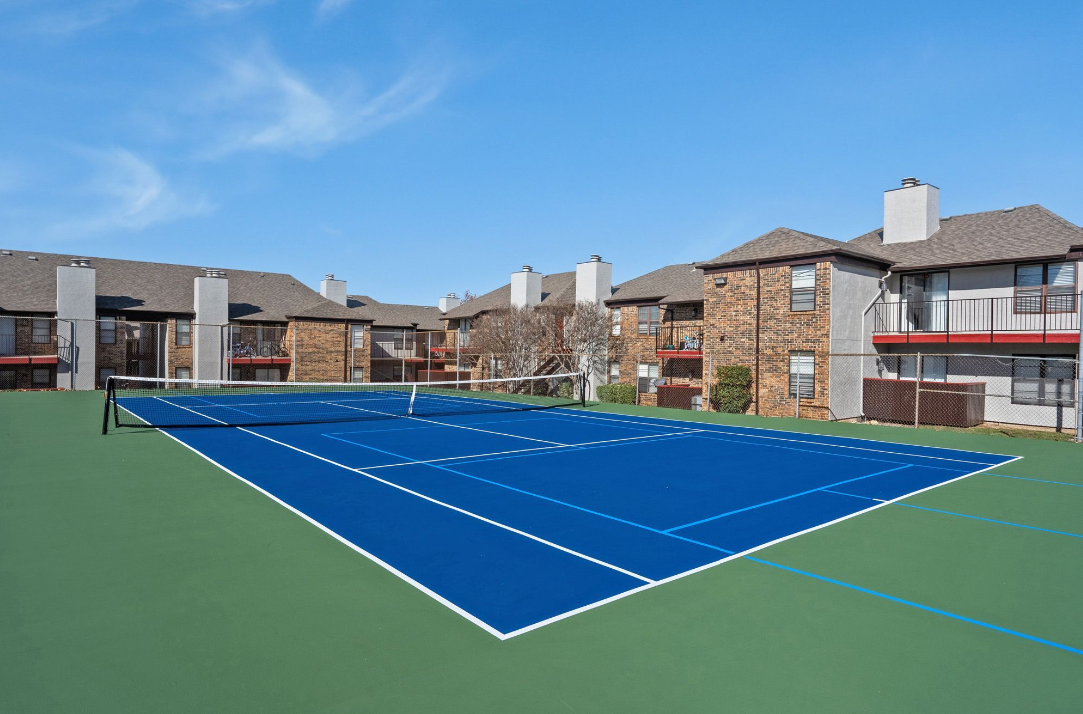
x: 270, y: 374
x: 41, y: 377
x: 184, y: 332
x: 1045, y: 287
x: 7, y: 335
x: 934, y: 368
x: 397, y: 373
x: 235, y: 336
x: 357, y: 337
x: 107, y: 331
x: 464, y: 332
x: 802, y: 288
x: 7, y: 379
x: 183, y: 373
x: 614, y: 321
x: 648, y: 320
x: 40, y: 334
x: 104, y: 374
x: 235, y: 374
x: 614, y: 372
x: 647, y: 376
x: 1043, y: 381
x: 357, y: 374
x: 803, y: 373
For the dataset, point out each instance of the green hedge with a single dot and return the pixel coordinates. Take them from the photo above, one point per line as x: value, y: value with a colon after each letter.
x: 731, y: 391
x: 617, y: 393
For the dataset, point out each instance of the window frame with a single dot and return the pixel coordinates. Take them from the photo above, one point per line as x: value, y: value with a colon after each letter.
x: 653, y: 324
x: 103, y: 378
x: 1042, y: 380
x: 186, y: 332
x: 613, y: 376
x: 791, y: 386
x: 9, y: 377
x: 47, y: 382
x: 356, y: 329
x: 614, y: 321
x: 652, y: 386
x: 357, y: 375
x: 1042, y: 291
x: 803, y: 291
x: 177, y: 372
x: 36, y: 324
x: 111, y: 321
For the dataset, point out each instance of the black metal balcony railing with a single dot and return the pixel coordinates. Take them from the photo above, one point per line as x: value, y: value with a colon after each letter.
x: 248, y: 341
x: 1021, y: 313
x: 399, y: 344
x: 679, y: 337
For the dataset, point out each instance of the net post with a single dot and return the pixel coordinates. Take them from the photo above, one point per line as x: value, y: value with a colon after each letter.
x: 105, y: 414
x: 583, y: 384
x: 413, y: 396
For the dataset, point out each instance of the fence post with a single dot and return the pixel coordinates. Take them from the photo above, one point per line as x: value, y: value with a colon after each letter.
x: 917, y: 390
x: 707, y: 390
x: 1079, y: 374
x: 797, y: 403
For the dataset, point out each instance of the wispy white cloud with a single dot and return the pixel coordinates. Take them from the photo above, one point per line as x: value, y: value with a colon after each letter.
x: 126, y: 192
x: 77, y: 18
x: 262, y: 104
x: 328, y: 8
x: 215, y: 7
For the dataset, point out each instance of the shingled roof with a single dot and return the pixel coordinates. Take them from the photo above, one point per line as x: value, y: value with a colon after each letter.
x: 784, y: 243
x: 682, y: 282
x: 385, y: 314
x: 557, y: 289
x: 1005, y: 236
x: 28, y: 284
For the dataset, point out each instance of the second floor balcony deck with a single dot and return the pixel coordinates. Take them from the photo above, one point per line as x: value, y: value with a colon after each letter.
x: 679, y: 340
x: 1016, y: 319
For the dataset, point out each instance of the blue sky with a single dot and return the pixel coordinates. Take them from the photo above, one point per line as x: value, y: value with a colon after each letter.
x: 416, y: 148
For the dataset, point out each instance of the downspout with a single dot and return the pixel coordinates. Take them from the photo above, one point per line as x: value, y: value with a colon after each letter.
x: 757, y: 338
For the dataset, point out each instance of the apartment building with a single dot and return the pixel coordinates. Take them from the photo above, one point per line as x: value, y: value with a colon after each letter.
x: 656, y: 321
x: 986, y: 302
x: 71, y: 323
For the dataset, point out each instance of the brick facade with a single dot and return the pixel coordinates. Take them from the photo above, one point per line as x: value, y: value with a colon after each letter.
x: 636, y: 348
x: 730, y: 334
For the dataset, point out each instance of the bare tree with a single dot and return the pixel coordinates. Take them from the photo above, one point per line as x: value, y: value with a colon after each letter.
x: 577, y: 337
x: 512, y: 335
x: 468, y: 296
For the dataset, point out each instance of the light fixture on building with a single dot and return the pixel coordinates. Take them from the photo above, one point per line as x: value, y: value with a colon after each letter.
x: 720, y: 281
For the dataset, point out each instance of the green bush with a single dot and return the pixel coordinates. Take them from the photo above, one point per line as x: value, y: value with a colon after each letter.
x: 566, y: 390
x: 617, y: 393
x: 731, y: 391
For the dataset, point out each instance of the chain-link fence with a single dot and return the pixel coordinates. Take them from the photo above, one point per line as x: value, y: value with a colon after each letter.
x: 955, y: 390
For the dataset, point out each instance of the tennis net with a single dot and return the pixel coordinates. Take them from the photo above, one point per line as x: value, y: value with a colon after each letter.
x: 175, y: 403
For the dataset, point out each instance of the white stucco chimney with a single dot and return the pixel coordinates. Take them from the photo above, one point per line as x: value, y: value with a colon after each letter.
x: 911, y: 213
x: 76, y: 310
x: 333, y: 289
x: 593, y: 280
x: 449, y: 303
x: 208, y: 328
x: 526, y: 287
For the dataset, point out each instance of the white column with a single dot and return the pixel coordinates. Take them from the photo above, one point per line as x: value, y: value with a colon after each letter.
x: 76, y: 310
x: 212, y: 316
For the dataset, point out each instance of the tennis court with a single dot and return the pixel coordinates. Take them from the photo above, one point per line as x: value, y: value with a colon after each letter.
x: 516, y: 513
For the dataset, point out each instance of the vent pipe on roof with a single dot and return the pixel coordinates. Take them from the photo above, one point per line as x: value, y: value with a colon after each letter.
x: 80, y: 262
x: 449, y: 303
x: 334, y: 290
x: 5, y: 252
x: 911, y: 213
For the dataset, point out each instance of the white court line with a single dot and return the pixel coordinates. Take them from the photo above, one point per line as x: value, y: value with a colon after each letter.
x: 454, y: 426
x: 718, y: 427
x: 741, y: 554
x: 548, y: 449
x: 454, y: 508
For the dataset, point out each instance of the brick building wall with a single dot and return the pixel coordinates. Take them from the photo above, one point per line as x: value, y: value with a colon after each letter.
x: 25, y: 346
x: 636, y: 349
x: 321, y: 352
x: 730, y: 334
x: 176, y: 355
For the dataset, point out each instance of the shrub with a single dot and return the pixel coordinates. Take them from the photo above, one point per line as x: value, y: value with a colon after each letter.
x: 617, y: 393
x: 566, y: 390
x: 731, y: 391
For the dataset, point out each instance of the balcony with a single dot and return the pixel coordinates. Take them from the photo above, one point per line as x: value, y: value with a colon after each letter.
x: 1019, y: 319
x: 411, y: 346
x: 258, y: 344
x: 30, y: 340
x: 679, y: 340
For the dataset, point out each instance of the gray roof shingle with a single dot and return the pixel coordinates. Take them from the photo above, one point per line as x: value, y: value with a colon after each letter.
x: 1004, y: 236
x: 557, y: 289
x: 787, y: 243
x: 385, y: 314
x: 134, y: 286
x: 672, y: 284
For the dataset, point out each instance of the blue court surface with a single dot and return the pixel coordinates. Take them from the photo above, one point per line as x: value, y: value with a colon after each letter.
x: 516, y: 519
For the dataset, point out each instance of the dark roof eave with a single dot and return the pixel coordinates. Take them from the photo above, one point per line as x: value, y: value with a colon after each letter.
x: 900, y: 268
x: 745, y: 264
